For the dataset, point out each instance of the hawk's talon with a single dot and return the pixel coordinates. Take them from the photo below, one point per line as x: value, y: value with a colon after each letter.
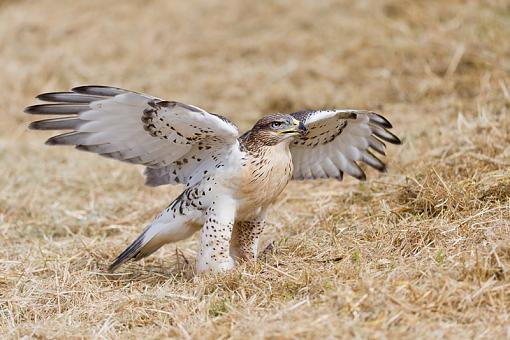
x: 268, y: 249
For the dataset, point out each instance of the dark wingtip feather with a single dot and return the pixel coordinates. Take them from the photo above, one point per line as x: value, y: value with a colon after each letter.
x: 385, y: 135
x: 88, y: 148
x: 99, y: 90
x: 56, y: 109
x: 33, y: 109
x: 376, y: 118
x: 51, y: 141
x: 370, y: 159
x: 70, y: 138
x: 340, y: 177
x: 34, y: 126
x: 50, y: 96
x: 68, y: 97
x: 383, y: 124
x: 396, y: 141
x: 360, y: 175
x: 383, y: 168
x: 67, y: 123
x: 39, y: 125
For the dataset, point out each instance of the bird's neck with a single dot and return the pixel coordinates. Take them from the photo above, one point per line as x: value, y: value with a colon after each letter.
x: 257, y: 144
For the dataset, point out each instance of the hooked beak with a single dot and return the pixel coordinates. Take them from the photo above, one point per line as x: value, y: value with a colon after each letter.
x: 297, y: 129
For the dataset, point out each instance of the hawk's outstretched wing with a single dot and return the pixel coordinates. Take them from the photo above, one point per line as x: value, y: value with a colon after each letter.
x: 336, y: 140
x: 178, y: 143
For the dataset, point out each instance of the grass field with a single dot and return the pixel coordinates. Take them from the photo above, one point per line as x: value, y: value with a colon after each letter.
x: 420, y: 252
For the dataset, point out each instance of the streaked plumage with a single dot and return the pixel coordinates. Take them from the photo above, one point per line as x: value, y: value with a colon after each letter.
x: 230, y: 180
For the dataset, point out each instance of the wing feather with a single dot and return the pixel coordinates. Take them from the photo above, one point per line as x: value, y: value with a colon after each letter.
x: 56, y: 109
x: 137, y: 128
x: 377, y: 145
x: 68, y: 97
x: 336, y: 140
x: 66, y: 123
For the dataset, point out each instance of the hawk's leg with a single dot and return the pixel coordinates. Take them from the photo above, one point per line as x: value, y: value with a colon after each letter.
x: 245, y: 239
x: 214, y: 255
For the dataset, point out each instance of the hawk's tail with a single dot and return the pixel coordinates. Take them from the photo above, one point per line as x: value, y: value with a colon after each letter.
x: 147, y: 243
x: 171, y: 225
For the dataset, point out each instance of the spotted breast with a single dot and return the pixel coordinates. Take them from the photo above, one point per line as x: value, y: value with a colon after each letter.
x: 267, y: 172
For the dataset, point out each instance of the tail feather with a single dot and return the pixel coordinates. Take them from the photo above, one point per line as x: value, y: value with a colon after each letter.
x: 167, y: 227
x: 151, y: 239
x: 134, y: 251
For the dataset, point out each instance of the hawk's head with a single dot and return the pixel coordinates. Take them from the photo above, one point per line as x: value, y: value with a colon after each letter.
x: 276, y: 128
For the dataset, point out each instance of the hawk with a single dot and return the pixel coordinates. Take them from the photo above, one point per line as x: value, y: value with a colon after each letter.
x: 229, y: 179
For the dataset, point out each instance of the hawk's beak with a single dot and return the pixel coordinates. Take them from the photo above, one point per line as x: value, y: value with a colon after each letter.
x: 298, y: 128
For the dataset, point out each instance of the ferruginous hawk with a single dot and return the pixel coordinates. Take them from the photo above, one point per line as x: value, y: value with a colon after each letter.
x: 229, y: 179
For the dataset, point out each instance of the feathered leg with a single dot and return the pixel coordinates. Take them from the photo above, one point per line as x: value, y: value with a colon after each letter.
x: 214, y: 255
x: 245, y: 238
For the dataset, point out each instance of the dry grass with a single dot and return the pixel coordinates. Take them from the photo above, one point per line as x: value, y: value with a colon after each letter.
x: 422, y: 252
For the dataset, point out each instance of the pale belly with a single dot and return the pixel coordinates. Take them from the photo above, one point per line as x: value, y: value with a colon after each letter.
x: 263, y: 179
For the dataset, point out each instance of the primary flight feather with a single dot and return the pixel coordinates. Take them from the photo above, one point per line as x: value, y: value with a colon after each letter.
x: 230, y: 179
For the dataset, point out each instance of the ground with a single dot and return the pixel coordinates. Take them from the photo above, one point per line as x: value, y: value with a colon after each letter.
x: 420, y: 252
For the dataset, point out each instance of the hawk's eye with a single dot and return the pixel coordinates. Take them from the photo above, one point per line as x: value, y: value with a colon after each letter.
x: 276, y: 125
